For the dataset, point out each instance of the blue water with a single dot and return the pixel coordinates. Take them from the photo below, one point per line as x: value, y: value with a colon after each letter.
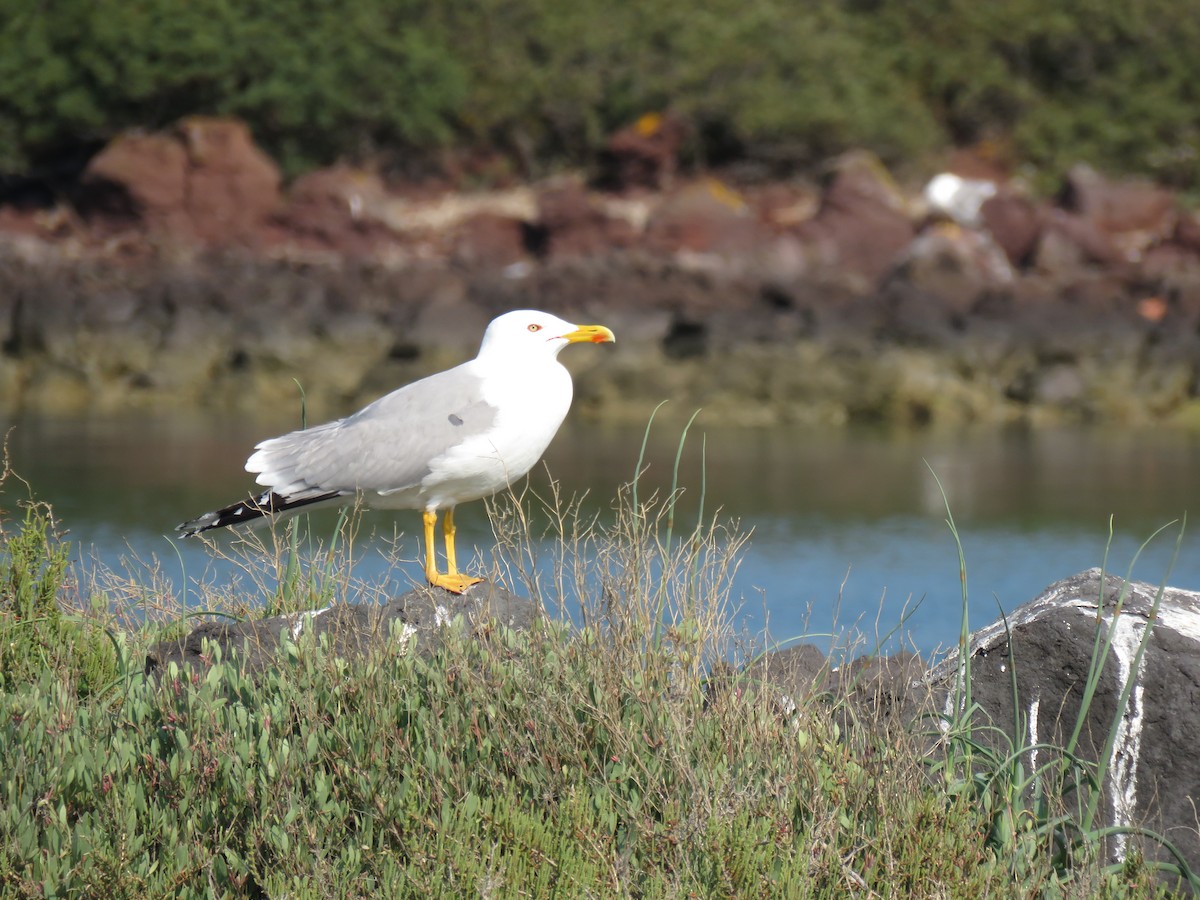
x: 847, y: 529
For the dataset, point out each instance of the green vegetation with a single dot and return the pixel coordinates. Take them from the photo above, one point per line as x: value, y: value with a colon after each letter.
x: 780, y: 82
x: 315, y: 80
x: 601, y: 759
x: 35, y: 633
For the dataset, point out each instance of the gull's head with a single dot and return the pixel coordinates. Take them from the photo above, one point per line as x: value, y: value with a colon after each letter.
x: 526, y: 333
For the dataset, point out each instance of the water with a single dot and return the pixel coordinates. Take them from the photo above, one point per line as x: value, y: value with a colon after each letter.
x: 847, y: 527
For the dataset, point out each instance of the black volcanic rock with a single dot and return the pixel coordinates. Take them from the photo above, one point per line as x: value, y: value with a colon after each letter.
x: 352, y: 630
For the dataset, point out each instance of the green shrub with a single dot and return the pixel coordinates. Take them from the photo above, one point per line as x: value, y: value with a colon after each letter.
x: 525, y: 766
x: 781, y: 81
x: 777, y: 80
x: 314, y: 79
x: 1107, y: 82
x: 36, y: 634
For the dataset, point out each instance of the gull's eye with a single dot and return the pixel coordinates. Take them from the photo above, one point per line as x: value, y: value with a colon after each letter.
x: 535, y: 327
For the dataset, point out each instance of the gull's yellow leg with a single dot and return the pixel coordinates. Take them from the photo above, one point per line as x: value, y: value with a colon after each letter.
x: 452, y: 581
x: 431, y: 572
x: 448, y: 532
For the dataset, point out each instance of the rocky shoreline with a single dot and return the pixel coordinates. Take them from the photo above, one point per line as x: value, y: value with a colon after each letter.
x: 846, y: 302
x: 232, y: 334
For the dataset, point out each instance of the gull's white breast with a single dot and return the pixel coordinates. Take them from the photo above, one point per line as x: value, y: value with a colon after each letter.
x: 531, y: 401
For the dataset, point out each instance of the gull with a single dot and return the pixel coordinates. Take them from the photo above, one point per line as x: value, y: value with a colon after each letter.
x: 456, y: 436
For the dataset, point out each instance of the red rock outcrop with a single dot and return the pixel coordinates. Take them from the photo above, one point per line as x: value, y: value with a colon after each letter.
x: 1133, y: 214
x: 1015, y: 224
x: 490, y: 241
x: 205, y: 182
x: 572, y: 223
x: 335, y: 209
x: 861, y: 226
x: 704, y: 217
x: 644, y: 154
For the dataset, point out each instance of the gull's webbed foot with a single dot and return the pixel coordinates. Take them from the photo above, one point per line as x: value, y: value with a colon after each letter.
x: 455, y: 584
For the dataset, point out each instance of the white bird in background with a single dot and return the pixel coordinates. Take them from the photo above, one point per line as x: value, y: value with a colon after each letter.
x: 455, y: 436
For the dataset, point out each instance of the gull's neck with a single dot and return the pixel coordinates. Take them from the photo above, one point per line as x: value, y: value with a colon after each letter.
x: 504, y: 359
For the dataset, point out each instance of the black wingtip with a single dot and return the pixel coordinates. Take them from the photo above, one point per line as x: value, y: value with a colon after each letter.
x: 265, y: 504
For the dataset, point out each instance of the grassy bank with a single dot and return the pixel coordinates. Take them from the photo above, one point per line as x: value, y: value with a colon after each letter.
x: 597, y: 759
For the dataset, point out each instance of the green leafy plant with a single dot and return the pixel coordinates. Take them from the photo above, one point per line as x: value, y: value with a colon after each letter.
x: 36, y: 634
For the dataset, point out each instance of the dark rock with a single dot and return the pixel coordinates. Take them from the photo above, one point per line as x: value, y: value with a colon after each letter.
x: 1102, y: 298
x: 944, y: 271
x: 336, y: 209
x: 797, y: 671
x: 920, y: 316
x: 1070, y: 242
x: 705, y: 217
x: 687, y: 338
x: 1088, y: 318
x: 490, y: 241
x: 1187, y: 231
x: 861, y: 226
x: 452, y: 325
x: 1167, y: 261
x: 1047, y: 646
x: 572, y: 224
x: 352, y: 630
x: 882, y: 692
x: 269, y: 320
x: 644, y: 154
x: 1014, y: 222
x: 1153, y: 770
x: 887, y: 685
x: 1127, y: 206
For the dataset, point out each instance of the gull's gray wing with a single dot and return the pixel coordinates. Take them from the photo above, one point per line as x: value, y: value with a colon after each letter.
x: 386, y: 446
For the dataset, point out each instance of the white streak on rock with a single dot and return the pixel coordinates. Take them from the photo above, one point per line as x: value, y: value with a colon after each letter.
x: 1126, y: 633
x: 441, y: 616
x: 298, y: 620
x: 1033, y: 732
x: 1180, y: 612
